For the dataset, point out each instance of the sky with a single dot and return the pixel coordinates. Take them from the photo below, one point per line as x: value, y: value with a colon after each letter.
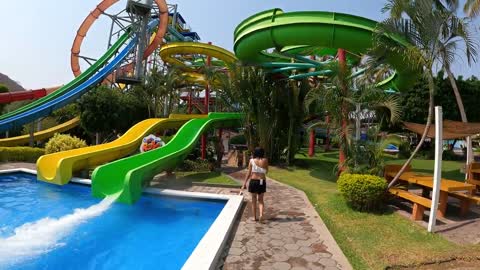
x: 36, y: 36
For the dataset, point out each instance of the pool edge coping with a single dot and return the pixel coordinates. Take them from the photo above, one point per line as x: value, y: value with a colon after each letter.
x: 215, y: 238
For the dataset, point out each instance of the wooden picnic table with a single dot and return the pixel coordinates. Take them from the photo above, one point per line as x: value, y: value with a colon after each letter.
x: 474, y: 179
x: 447, y: 186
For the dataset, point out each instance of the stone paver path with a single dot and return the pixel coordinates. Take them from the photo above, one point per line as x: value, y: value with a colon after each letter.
x: 292, y: 236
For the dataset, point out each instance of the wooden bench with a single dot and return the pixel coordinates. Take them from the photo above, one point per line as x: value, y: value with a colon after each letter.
x: 419, y: 202
x: 473, y: 171
x: 465, y: 201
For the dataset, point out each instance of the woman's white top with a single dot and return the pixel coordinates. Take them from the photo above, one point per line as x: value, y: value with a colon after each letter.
x: 256, y: 168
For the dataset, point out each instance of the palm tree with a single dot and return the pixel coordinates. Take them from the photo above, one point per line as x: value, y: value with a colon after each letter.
x: 160, y: 89
x: 472, y: 8
x: 424, y: 26
x: 457, y: 31
x: 329, y: 96
x: 454, y: 32
x: 249, y: 89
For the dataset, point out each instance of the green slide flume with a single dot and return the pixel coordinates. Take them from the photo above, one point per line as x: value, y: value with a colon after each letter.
x: 127, y: 176
x: 274, y: 29
x: 77, y: 81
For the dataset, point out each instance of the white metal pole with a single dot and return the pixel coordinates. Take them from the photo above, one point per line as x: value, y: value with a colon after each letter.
x: 470, y: 157
x: 437, y: 173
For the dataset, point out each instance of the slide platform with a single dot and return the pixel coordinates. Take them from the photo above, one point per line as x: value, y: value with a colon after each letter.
x: 57, y: 168
x: 127, y: 176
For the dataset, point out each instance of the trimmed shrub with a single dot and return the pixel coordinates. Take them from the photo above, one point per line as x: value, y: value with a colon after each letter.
x: 362, y: 192
x: 63, y: 142
x: 25, y: 154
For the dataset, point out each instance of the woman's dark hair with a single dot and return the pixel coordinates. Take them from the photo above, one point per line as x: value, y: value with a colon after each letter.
x: 258, y: 152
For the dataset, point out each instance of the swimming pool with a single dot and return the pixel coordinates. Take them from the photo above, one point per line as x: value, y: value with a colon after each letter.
x: 158, y: 232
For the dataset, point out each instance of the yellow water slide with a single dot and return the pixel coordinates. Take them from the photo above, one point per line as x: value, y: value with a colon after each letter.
x: 171, y: 51
x: 58, y: 167
x: 41, y: 135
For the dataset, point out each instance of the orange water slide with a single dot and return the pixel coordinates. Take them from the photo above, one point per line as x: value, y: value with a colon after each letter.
x: 99, y: 10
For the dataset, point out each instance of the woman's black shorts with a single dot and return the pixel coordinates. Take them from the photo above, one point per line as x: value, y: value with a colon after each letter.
x: 257, y: 186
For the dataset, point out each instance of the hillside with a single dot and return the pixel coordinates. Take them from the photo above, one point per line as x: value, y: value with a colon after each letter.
x: 11, y: 84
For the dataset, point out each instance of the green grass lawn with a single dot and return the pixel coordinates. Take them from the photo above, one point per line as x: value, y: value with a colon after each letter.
x: 370, y: 241
x: 205, y: 177
x: 187, y: 179
x: 450, y: 169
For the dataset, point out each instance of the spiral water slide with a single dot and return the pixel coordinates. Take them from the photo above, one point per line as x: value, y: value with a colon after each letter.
x: 171, y: 51
x: 84, y: 80
x: 289, y: 32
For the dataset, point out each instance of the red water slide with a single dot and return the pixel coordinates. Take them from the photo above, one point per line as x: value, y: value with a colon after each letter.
x: 10, y: 97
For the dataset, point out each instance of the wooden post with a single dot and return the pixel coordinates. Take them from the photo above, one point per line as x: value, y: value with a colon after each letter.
x: 437, y: 173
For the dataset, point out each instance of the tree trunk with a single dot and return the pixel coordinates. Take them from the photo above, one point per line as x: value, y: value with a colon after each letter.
x: 290, y: 126
x: 461, y: 108
x: 431, y: 86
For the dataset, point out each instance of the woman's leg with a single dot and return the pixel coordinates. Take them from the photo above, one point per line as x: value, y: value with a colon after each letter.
x: 260, y: 205
x: 254, y: 205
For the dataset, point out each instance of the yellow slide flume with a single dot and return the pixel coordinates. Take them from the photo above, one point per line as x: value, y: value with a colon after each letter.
x: 57, y: 168
x: 41, y: 135
x: 169, y: 52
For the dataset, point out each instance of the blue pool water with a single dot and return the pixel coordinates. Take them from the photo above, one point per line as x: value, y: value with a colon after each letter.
x: 40, y: 228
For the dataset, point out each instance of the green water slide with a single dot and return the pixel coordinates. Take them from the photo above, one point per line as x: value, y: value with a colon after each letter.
x: 127, y: 176
x: 75, y: 82
x: 258, y: 34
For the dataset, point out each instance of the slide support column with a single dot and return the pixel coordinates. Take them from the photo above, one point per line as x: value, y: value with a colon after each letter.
x: 190, y: 101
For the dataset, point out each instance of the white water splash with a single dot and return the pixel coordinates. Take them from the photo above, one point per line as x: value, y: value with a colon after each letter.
x: 42, y: 236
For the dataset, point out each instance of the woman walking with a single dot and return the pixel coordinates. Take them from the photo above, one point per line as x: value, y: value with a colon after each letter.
x: 257, y: 181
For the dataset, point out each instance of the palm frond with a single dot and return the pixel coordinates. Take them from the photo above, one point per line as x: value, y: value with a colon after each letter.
x: 472, y: 8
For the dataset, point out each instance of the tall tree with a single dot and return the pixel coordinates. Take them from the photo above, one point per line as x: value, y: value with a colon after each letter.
x: 160, y: 89
x: 108, y: 111
x: 423, y: 26
x: 454, y: 35
x: 267, y: 103
x: 472, y: 8
x: 362, y: 92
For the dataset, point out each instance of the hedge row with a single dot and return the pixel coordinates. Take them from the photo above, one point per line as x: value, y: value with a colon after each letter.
x: 26, y: 154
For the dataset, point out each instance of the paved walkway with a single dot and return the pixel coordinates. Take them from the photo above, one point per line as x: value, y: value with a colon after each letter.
x: 293, y: 236
x: 16, y: 165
